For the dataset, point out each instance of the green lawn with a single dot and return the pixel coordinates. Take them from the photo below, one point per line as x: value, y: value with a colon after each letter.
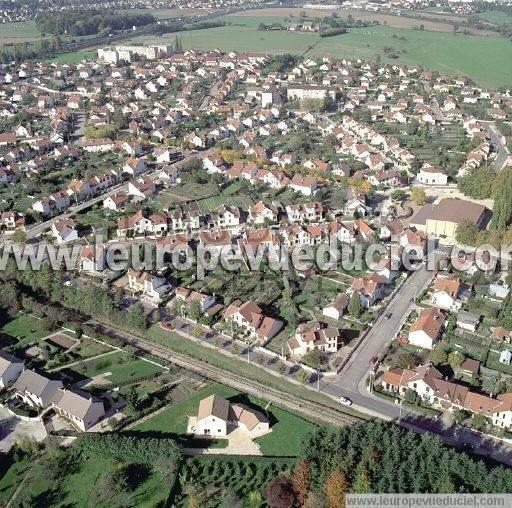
x: 27, y: 328
x: 122, y: 367
x: 72, y: 58
x: 11, y: 475
x: 493, y: 362
x: 485, y: 59
x: 288, y: 429
x: 174, y: 419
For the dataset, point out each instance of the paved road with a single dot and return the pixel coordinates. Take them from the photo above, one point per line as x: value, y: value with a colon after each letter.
x: 38, y: 229
x: 501, y: 159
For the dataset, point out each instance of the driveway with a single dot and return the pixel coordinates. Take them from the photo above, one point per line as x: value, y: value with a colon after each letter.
x: 11, y: 428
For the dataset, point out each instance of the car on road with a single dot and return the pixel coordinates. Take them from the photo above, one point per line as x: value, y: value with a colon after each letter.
x: 345, y: 401
x: 373, y: 359
x: 388, y: 315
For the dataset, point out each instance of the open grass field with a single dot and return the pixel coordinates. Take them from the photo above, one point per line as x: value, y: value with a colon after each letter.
x: 122, y: 368
x: 19, y: 32
x: 484, y: 59
x: 288, y: 430
x: 26, y: 329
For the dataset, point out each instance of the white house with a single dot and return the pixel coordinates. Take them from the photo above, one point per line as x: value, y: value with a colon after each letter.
x: 336, y: 307
x: 427, y: 328
x: 217, y: 417
x: 80, y: 408
x: 432, y: 176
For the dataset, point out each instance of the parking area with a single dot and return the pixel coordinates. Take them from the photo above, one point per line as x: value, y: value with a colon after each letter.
x: 11, y: 428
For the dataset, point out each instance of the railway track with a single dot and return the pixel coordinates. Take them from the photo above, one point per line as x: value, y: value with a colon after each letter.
x: 314, y: 410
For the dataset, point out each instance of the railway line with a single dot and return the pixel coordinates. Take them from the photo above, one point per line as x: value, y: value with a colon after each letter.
x: 314, y: 410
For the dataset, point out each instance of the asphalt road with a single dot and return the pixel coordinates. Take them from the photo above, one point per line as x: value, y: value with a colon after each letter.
x: 499, y: 162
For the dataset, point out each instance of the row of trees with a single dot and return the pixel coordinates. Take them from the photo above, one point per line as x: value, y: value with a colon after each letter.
x: 25, y: 289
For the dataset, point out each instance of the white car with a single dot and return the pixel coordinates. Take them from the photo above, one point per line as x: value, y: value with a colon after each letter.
x: 345, y: 401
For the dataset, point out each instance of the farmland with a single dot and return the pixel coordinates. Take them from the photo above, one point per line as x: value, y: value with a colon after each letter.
x: 485, y: 59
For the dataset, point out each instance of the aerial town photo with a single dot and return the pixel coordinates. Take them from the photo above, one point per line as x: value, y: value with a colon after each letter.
x: 255, y: 253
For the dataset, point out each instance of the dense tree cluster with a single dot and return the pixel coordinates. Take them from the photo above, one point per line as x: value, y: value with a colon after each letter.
x: 87, y: 22
x: 380, y: 457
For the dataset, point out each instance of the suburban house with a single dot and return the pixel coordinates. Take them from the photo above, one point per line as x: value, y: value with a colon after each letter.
x: 427, y: 328
x: 10, y: 368
x: 432, y: 176
x: 261, y: 213
x: 370, y: 288
x: 35, y: 389
x: 217, y: 417
x: 155, y: 288
x: 92, y: 259
x: 315, y: 335
x: 468, y: 321
x: 304, y: 184
x: 249, y: 318
x: 447, y: 292
x: 336, y: 307
x: 80, y: 408
x: 427, y: 382
x: 64, y: 230
x: 187, y: 296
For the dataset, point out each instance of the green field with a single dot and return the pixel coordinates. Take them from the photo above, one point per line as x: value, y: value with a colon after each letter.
x: 288, y: 429
x: 26, y: 329
x: 19, y: 32
x: 485, y: 59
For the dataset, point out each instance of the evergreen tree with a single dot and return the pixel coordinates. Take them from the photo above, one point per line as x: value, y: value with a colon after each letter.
x: 502, y: 210
x: 354, y: 305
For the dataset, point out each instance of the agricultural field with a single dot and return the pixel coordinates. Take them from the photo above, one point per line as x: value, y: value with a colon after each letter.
x: 484, y: 59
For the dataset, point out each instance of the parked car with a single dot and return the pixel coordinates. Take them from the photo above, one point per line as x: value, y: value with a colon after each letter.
x: 345, y: 401
x: 388, y: 315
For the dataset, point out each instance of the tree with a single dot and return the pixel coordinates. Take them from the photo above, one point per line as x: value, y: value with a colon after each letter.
x: 406, y: 360
x: 418, y: 196
x: 354, y: 305
x: 467, y: 233
x: 19, y: 236
x: 279, y: 493
x: 301, y: 477
x: 398, y: 195
x: 502, y: 209
x: 303, y: 376
x: 132, y: 398
x: 455, y: 359
x: 362, y: 482
x: 335, y: 489
x: 194, y: 311
x: 281, y: 368
x: 438, y: 356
